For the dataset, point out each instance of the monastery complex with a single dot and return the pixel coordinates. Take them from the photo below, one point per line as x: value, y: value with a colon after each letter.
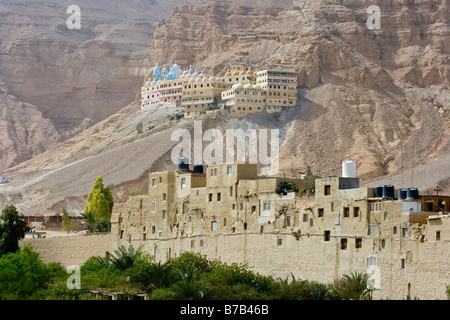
x: 241, y: 91
x: 317, y: 228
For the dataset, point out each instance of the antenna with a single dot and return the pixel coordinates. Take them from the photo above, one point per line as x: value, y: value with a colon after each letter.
x: 412, y: 168
x: 403, y: 173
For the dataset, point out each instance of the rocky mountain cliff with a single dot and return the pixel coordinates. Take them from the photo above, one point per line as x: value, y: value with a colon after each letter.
x: 55, y: 82
x: 379, y: 97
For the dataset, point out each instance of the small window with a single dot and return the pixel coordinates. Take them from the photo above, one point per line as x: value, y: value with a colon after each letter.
x: 219, y: 196
x: 210, y: 197
x: 241, y: 206
x: 403, y: 263
x: 405, y: 232
x: 164, y: 214
x: 344, y: 244
x: 164, y: 196
x: 327, y: 190
x: 438, y: 236
x: 326, y: 235
x: 261, y: 230
x: 320, y: 212
x: 371, y: 261
x: 154, y: 182
x: 346, y: 212
x: 213, y: 225
x: 231, y: 191
x: 253, y: 209
x: 394, y: 230
x: 183, y: 183
x: 159, y: 234
x: 233, y: 206
x: 383, y: 243
x: 224, y: 222
x: 305, y: 217
x: 358, y: 243
x: 288, y: 221
x: 279, y: 241
x: 153, y: 229
x: 121, y: 234
x: 153, y: 206
x: 332, y: 207
x: 356, y: 212
x: 374, y: 230
x: 229, y: 170
x: 213, y: 172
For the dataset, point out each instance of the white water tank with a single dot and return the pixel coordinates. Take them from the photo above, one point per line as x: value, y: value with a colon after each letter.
x: 349, y: 169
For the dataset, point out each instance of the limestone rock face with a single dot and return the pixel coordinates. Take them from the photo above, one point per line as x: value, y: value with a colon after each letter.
x: 363, y: 93
x: 71, y: 77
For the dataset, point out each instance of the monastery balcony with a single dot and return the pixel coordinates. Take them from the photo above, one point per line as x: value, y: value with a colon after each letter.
x: 191, y: 102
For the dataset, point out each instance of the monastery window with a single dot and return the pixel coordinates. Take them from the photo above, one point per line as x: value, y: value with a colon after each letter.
x: 164, y: 196
x: 356, y: 212
x: 311, y: 222
x: 358, y: 243
x: 305, y: 217
x: 253, y: 209
x: 288, y: 220
x: 153, y: 209
x: 375, y: 207
x: 267, y: 207
x: 332, y: 207
x: 121, y: 234
x: 383, y: 243
x: 402, y: 263
x: 371, y: 261
x: 183, y: 183
x: 326, y: 235
x: 394, y: 230
x: 164, y: 214
x: 224, y: 222
x: 344, y: 244
x: 213, y: 226
x: 346, y: 212
x: 405, y: 232
x: 438, y: 235
x: 154, y: 182
x: 327, y: 190
x: 320, y: 212
x: 245, y: 225
x: 210, y: 197
x: 233, y: 206
x: 213, y: 172
x: 219, y: 196
x: 159, y: 234
x: 279, y: 241
x: 230, y: 171
x: 261, y: 230
x: 231, y: 191
x: 153, y: 229
x: 129, y: 238
x: 374, y: 230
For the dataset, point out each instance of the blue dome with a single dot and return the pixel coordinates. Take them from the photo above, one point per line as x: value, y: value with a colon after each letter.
x: 156, y: 69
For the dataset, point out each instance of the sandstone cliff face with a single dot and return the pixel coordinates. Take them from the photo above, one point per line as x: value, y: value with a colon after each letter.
x: 364, y: 93
x: 72, y: 78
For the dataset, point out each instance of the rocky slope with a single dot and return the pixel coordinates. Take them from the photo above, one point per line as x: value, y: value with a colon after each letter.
x: 66, y: 80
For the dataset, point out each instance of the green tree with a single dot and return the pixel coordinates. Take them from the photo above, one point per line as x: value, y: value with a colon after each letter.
x: 139, y: 128
x: 12, y: 229
x: 353, y: 287
x: 100, y: 201
x: 67, y: 224
x: 89, y: 220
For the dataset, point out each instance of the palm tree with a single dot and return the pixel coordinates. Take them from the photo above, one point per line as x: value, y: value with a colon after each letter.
x: 354, y: 287
x: 188, y: 287
x: 124, y: 258
x: 89, y: 220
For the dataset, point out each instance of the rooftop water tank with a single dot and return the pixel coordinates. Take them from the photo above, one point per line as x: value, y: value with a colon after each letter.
x: 198, y: 168
x: 412, y: 194
x: 402, y: 194
x: 378, y: 191
x: 349, y: 169
x: 388, y: 192
x: 182, y: 163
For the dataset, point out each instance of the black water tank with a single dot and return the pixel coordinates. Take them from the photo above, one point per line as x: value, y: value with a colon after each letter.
x: 198, y: 168
x: 388, y: 192
x: 182, y: 163
x: 412, y: 194
x: 378, y: 191
x: 402, y: 194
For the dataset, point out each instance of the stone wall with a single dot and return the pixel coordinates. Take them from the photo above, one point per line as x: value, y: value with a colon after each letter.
x: 71, y: 250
